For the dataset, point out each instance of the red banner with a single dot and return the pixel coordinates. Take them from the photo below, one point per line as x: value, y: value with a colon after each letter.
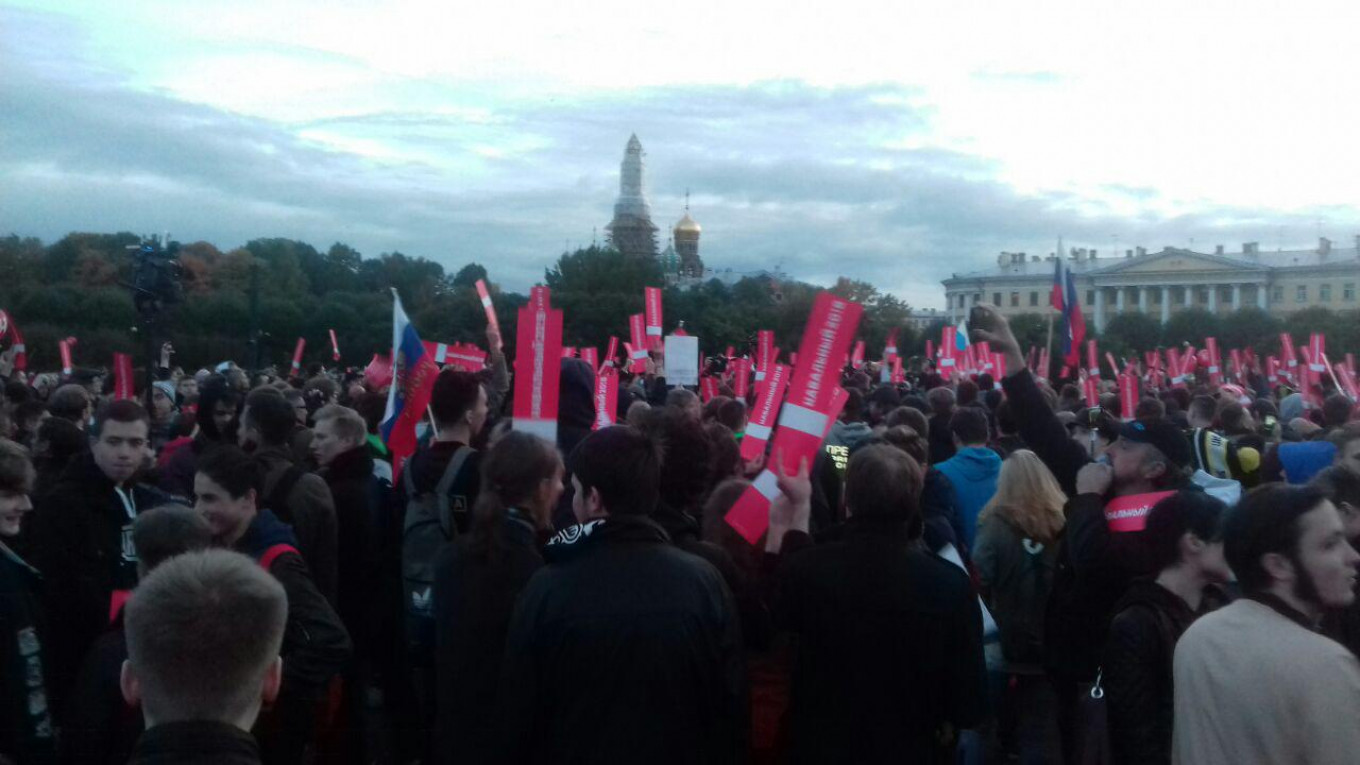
x: 67, y: 366
x: 999, y: 364
x: 1317, y: 347
x: 948, y: 350
x: 766, y: 355
x: 568, y: 351
x: 1173, y: 363
x: 761, y: 423
x: 652, y: 300
x: 606, y: 397
x: 123, y: 387
x: 708, y: 388
x: 335, y: 347
x: 1238, y: 371
x: 591, y: 356
x: 378, y: 373
x: 297, y: 356
x: 1128, y: 395
x: 484, y: 295
x: 857, y: 355
x: 1288, y: 354
x: 1090, y: 386
x: 637, y: 352
x: 538, y: 354
x: 611, y: 354
x: 741, y: 378
x: 898, y: 376
x: 464, y: 356
x: 890, y: 348
x: 1130, y: 513
x: 1092, y: 360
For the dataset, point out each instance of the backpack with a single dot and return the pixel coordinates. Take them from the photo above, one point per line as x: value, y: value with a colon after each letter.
x: 427, y: 527
x: 278, y: 498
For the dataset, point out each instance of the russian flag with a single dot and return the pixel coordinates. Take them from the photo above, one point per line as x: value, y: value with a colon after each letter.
x: 1065, y: 300
x: 413, y: 373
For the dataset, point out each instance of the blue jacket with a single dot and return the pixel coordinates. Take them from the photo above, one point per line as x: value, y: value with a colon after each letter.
x: 973, y: 471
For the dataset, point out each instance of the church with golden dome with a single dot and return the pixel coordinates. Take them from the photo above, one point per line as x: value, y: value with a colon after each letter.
x: 632, y: 232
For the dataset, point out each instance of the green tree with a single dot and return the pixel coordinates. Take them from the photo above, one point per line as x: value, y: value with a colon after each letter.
x: 1190, y: 326
x: 1131, y: 333
x: 468, y: 275
x: 1249, y: 326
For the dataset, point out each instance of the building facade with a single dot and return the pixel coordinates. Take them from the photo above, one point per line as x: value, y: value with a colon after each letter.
x: 1164, y: 283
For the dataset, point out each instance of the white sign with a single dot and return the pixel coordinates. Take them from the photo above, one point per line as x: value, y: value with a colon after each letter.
x: 682, y: 360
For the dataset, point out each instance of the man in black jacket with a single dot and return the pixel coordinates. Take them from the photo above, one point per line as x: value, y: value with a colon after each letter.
x: 315, y: 643
x: 623, y: 648
x: 81, y: 539
x: 889, y: 637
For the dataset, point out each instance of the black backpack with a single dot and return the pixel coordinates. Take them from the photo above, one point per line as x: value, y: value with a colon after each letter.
x: 427, y: 527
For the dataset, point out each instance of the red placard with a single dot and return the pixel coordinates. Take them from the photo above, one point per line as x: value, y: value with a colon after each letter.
x: 1238, y: 371
x: 606, y: 397
x: 766, y: 354
x: 484, y: 295
x: 297, y: 355
x: 538, y: 355
x: 1287, y: 353
x: 1128, y: 395
x: 890, y: 347
x: 1091, y: 387
x: 1215, y: 363
x: 999, y: 364
x: 1272, y: 370
x: 948, y: 352
x: 122, y: 376
x: 982, y: 354
x: 591, y: 356
x: 568, y: 351
x: 1092, y: 363
x: 761, y: 423
x: 611, y: 354
x: 67, y: 366
x: 464, y: 356
x: 1317, y: 348
x: 857, y: 355
x: 708, y: 388
x: 1173, y: 363
x: 1124, y: 514
x: 741, y: 378
x: 335, y: 347
x: 652, y: 301
x: 637, y: 352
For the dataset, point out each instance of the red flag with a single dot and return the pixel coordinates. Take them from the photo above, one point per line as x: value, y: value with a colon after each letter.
x: 538, y: 355
x: 637, y: 328
x: 122, y: 377
x: 297, y: 356
x: 485, y: 296
x: 606, y: 397
x: 378, y: 373
x: 414, y: 372
x: 335, y: 347
x: 652, y: 300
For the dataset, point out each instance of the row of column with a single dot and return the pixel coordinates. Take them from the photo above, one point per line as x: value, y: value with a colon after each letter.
x: 1188, y: 297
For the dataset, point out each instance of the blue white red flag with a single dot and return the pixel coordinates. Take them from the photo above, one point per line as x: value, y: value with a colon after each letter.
x: 413, y: 373
x: 1065, y: 300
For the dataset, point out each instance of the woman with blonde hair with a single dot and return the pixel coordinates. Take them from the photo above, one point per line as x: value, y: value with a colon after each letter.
x: 1015, y: 553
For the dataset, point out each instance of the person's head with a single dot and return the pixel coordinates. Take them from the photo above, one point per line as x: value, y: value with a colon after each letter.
x: 161, y: 533
x: 969, y: 427
x: 323, y: 389
x: 968, y: 393
x: 1149, y: 455
x: 339, y: 429
x: 217, y: 404
x: 266, y: 420
x: 1289, y: 541
x: 910, y: 417
x: 941, y: 401
x: 119, y: 439
x: 298, y: 401
x: 853, y: 410
x: 203, y: 636
x: 1149, y: 409
x: 883, y: 483
x: 187, y: 388
x: 711, y: 407
x: 637, y: 414
x: 908, y: 440
x: 1006, y: 424
x: 28, y: 416
x: 1184, y: 531
x: 1341, y: 484
x: 71, y: 402
x: 614, y: 471
x: 733, y: 415
x: 686, y: 458
x: 1336, y: 410
x: 883, y: 400
x: 521, y: 471
x: 458, y: 403
x: 162, y: 399
x: 684, y: 400
x: 1347, y: 442
x: 16, y: 484
x: 1088, y: 422
x: 986, y: 382
x: 1201, y: 412
x: 724, y: 452
x: 227, y: 488
x: 1235, y: 419
x: 1027, y: 496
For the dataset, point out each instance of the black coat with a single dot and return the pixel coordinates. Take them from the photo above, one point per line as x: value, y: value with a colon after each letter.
x: 1139, y: 688
x: 889, y: 648
x: 941, y: 439
x: 474, y: 597
x: 201, y: 743
x: 26, y: 733
x: 624, y: 649
x: 82, y: 543
x: 101, y: 728
x: 364, y: 549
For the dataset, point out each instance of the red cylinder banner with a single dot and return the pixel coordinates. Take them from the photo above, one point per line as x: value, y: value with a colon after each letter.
x: 741, y: 378
x: 590, y: 356
x: 67, y: 366
x: 890, y: 348
x: 1128, y: 395
x: 637, y: 355
x: 484, y: 295
x: 1272, y: 370
x: 538, y: 361
x: 857, y: 355
x: 761, y: 423
x: 1317, y: 348
x: 898, y: 376
x: 708, y: 388
x: 652, y: 302
x: 606, y: 397
x: 123, y: 387
x: 1288, y: 355
x: 297, y: 356
x: 1092, y: 359
x: 335, y: 347
x: 1091, y: 387
x: 999, y: 364
x: 1215, y: 363
x: 611, y: 354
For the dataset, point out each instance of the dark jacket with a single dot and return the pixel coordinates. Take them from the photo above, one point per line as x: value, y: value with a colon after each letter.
x: 363, y: 545
x: 1137, y: 667
x: 26, y: 733
x: 940, y: 511
x: 101, y: 728
x: 177, y: 476
x: 201, y: 743
x: 473, y: 599
x: 1015, y: 573
x: 82, y: 542
x: 309, y: 509
x: 315, y: 643
x: 941, y: 438
x: 889, y: 648
x: 427, y: 466
x: 624, y: 649
x: 1041, y: 431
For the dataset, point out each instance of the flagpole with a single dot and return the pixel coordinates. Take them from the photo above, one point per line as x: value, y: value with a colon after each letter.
x: 1048, y: 344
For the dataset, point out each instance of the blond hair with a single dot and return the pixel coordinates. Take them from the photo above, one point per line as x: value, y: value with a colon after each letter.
x: 1028, y: 496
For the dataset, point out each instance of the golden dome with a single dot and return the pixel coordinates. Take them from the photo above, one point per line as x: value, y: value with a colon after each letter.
x: 687, y: 224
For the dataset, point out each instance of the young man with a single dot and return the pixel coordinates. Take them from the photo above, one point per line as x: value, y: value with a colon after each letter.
x: 82, y: 538
x: 623, y: 648
x: 315, y: 644
x: 201, y: 610
x: 297, y: 497
x: 1341, y: 485
x: 973, y: 468
x: 942, y: 408
x: 889, y: 637
x: 1255, y: 681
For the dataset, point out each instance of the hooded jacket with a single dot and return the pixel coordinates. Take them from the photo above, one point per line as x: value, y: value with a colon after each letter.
x: 309, y: 509
x: 1016, y: 573
x: 26, y: 733
x: 973, y: 471
x: 623, y: 648
x: 81, y: 540
x: 367, y: 548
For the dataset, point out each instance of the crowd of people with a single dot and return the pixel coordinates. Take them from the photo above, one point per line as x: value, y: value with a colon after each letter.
x: 970, y: 571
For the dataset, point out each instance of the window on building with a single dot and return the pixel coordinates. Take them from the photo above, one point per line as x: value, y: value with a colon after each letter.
x: 1156, y: 297
x: 1301, y: 294
x: 1202, y: 296
x: 977, y: 298
x: 1325, y: 293
x: 1277, y: 294
x: 1348, y: 292
x: 1090, y: 297
x: 996, y: 299
x: 1015, y: 300
x: 1033, y: 299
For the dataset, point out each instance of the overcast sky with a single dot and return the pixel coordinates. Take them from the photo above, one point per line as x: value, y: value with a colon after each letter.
x: 858, y: 139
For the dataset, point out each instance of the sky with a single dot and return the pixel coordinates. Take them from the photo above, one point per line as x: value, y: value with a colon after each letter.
x: 896, y: 143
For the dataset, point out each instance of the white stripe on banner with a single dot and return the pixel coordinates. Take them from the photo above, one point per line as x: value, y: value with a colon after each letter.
x: 767, y: 485
x: 891, y: 349
x: 441, y: 352
x: 654, y: 331
x: 486, y: 301
x: 638, y: 355
x: 761, y: 432
x: 946, y: 362
x: 760, y: 375
x: 804, y: 420
x: 546, y: 429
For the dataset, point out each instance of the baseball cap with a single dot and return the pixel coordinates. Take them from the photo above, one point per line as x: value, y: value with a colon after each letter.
x: 1162, y: 434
